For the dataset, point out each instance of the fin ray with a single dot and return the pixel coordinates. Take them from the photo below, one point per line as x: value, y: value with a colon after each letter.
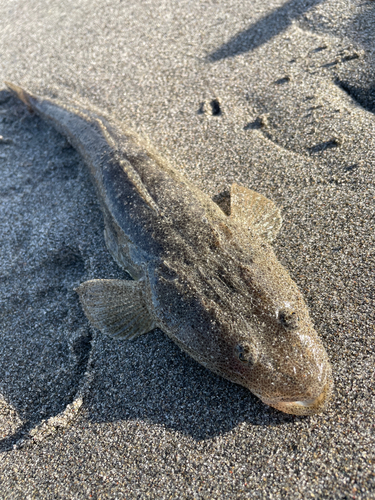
x: 256, y: 211
x: 116, y: 307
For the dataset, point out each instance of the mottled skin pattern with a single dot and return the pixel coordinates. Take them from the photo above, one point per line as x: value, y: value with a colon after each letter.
x: 211, y: 283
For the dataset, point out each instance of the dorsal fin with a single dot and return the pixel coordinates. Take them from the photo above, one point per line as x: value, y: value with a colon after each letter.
x: 128, y: 168
x: 253, y: 210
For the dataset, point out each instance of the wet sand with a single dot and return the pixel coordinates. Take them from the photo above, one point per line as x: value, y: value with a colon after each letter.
x: 279, y: 97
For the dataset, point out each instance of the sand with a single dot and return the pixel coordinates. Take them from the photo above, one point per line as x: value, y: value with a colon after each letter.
x: 278, y: 96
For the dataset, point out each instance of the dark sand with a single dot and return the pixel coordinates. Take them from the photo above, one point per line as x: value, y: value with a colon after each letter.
x: 83, y: 416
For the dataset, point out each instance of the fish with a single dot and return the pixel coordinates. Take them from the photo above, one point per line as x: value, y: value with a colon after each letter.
x: 206, y: 275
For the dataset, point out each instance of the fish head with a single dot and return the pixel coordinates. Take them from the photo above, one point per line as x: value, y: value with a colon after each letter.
x: 246, y: 320
x: 277, y: 350
x: 287, y: 369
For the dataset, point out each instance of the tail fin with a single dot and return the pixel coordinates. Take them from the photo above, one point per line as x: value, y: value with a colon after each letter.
x: 22, y: 95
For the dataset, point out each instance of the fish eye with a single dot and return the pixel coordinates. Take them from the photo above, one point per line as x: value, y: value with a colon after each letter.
x: 247, y: 353
x: 288, y: 319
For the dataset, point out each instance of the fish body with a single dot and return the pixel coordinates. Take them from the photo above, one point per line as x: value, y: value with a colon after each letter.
x: 209, y: 280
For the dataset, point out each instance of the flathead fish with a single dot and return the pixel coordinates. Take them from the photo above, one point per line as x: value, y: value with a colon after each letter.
x: 209, y: 280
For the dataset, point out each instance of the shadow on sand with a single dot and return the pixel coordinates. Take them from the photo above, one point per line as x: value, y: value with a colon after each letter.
x: 263, y: 30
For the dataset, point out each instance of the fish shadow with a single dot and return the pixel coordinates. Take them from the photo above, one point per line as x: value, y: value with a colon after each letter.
x: 45, y: 341
x: 151, y: 379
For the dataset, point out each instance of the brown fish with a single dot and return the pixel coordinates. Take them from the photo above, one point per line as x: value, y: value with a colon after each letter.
x: 210, y: 281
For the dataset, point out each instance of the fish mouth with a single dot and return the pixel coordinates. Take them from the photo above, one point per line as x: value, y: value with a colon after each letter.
x: 307, y: 406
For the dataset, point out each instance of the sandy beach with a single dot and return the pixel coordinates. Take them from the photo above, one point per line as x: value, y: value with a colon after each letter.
x: 277, y: 96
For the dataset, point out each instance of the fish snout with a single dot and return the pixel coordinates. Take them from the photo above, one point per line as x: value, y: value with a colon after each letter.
x: 315, y: 400
x: 307, y: 406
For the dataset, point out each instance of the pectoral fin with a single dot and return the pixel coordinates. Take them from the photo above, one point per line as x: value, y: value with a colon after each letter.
x: 116, y: 307
x: 255, y: 211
